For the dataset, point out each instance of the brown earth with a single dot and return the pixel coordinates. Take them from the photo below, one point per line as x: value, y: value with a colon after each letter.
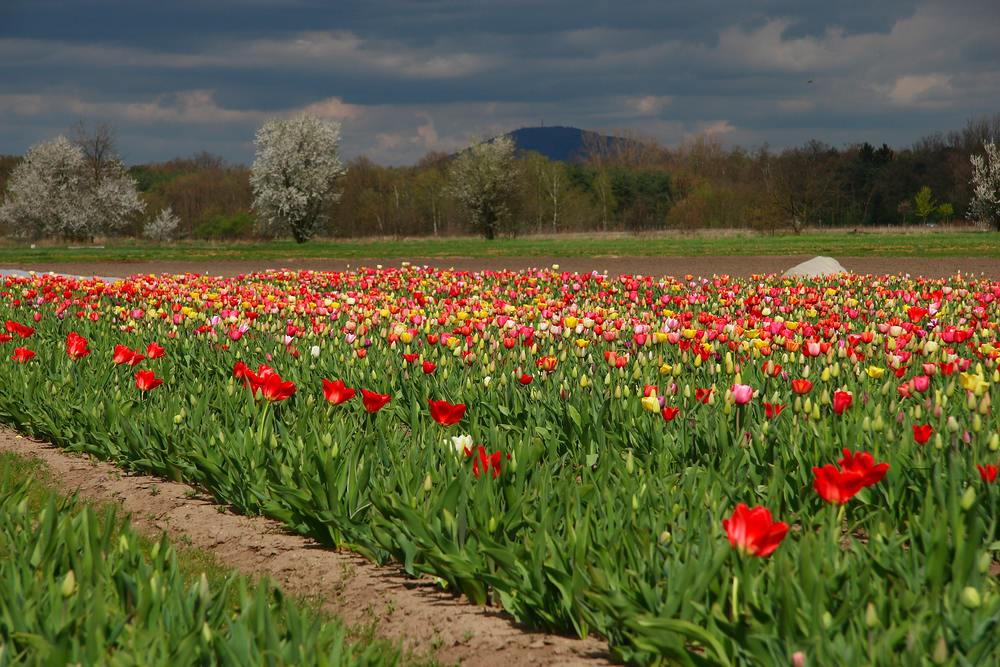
x: 936, y: 267
x: 416, y: 613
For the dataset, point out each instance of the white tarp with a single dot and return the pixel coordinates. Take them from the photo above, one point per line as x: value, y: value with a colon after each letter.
x: 815, y: 267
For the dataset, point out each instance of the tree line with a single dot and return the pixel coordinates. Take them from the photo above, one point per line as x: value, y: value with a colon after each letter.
x: 298, y: 185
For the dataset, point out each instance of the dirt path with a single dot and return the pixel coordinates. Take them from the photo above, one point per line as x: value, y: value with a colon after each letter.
x: 935, y: 267
x: 426, y: 620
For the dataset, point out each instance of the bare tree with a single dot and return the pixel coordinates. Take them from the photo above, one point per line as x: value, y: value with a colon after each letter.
x: 800, y: 182
x: 98, y: 146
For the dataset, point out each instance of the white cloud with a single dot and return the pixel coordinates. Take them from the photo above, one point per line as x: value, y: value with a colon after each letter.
x: 334, y: 108
x: 329, y: 51
x: 715, y: 129
x: 920, y: 90
x: 649, y: 105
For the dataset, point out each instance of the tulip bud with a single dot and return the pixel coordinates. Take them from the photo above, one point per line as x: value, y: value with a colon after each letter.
x: 952, y: 424
x: 984, y: 405
x: 871, y: 617
x: 940, y: 655
x: 970, y: 598
x: 635, y: 503
x: 994, y: 444
x: 665, y: 537
x: 204, y: 592
x: 968, y: 499
x: 977, y: 423
x: 629, y: 463
x: 68, y: 586
x: 827, y: 619
x: 206, y: 632
x: 985, y: 559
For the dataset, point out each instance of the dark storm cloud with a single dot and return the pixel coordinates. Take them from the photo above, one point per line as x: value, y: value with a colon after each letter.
x: 407, y: 76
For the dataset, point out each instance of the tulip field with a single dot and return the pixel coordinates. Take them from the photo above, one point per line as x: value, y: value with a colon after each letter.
x: 711, y: 471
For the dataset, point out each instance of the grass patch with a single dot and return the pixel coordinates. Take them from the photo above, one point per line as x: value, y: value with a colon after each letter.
x: 839, y: 244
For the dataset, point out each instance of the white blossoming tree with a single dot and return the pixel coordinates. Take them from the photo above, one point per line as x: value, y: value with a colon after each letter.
x: 985, y: 205
x: 163, y: 226
x: 482, y: 179
x: 55, y: 192
x: 294, y: 174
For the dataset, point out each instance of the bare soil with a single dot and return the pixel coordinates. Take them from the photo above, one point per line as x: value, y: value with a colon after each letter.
x: 416, y: 613
x: 937, y: 267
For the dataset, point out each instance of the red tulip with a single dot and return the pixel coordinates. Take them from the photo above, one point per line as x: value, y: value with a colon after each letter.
x: 856, y: 472
x: 410, y: 357
x: 374, y: 402
x: 240, y: 371
x: 669, y: 413
x: 525, y: 379
x: 483, y: 463
x: 802, y: 386
x: 988, y: 472
x: 922, y: 433
x: 147, y: 380
x: 22, y: 355
x: 703, y: 395
x: 122, y: 355
x: 863, y: 464
x: 772, y: 410
x: 5, y: 338
x: 336, y: 392
x: 154, y: 351
x: 76, y: 346
x: 429, y: 367
x: 19, y: 329
x: 841, y: 401
x: 274, y: 389
x: 835, y: 486
x: 445, y: 413
x: 753, y: 532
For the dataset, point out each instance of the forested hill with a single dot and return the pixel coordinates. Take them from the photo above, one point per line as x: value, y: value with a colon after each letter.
x: 561, y: 143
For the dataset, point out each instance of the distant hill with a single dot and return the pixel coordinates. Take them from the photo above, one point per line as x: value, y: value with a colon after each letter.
x: 566, y: 144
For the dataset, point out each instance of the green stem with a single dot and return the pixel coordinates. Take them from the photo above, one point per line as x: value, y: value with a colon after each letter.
x: 264, y: 414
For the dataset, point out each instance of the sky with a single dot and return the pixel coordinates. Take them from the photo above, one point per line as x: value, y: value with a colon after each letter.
x: 404, y: 77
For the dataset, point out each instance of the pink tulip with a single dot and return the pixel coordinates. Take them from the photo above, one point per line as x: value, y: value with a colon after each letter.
x: 742, y: 393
